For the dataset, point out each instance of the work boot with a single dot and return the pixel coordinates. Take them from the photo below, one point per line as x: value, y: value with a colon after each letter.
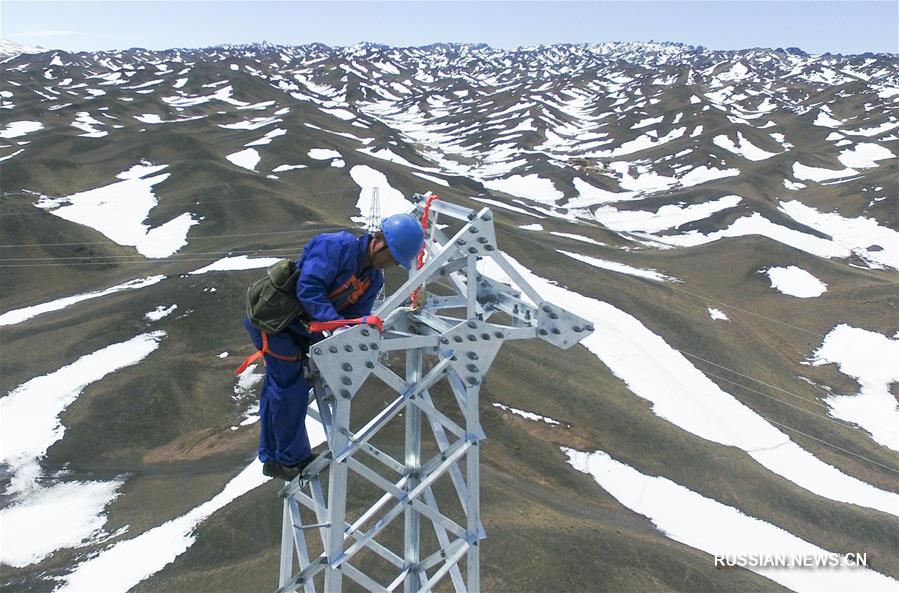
x: 287, y: 473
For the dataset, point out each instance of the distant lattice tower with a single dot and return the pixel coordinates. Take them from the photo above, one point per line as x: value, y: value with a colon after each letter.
x: 373, y: 225
x: 374, y: 214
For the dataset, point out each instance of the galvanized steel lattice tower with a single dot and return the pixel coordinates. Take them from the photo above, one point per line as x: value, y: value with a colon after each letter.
x: 463, y: 318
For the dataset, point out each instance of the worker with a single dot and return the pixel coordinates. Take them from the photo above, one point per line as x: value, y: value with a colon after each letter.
x: 340, y: 276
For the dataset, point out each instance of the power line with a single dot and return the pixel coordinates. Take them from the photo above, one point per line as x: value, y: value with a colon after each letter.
x: 115, y: 263
x: 171, y: 202
x: 319, y: 230
x: 828, y: 418
x: 812, y: 401
x: 143, y: 258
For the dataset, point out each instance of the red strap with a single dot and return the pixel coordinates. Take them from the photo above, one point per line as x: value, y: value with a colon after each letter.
x: 421, y: 254
x: 265, y: 350
x: 320, y: 326
x: 250, y: 360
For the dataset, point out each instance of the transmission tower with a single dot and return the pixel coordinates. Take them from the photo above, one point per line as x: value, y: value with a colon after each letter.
x: 432, y: 477
x: 374, y: 214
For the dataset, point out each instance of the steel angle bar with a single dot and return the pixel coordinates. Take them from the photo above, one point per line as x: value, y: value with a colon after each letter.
x: 286, y: 570
x: 517, y: 278
x: 454, y: 471
x: 451, y: 210
x: 299, y: 539
x: 398, y: 580
x: 436, y: 415
x: 452, y: 265
x: 435, y: 322
x: 405, y: 499
x: 323, y: 397
x: 307, y: 573
x: 415, y: 279
x: 374, y: 425
x: 381, y: 550
x: 363, y: 538
x: 320, y: 508
x: 387, y: 375
x: 443, y: 540
x: 436, y: 303
x: 442, y: 554
x: 383, y: 457
x: 363, y: 579
x: 378, y: 422
x: 472, y: 287
x: 521, y: 333
x: 412, y: 341
x: 450, y: 562
x: 463, y: 394
x: 438, y: 464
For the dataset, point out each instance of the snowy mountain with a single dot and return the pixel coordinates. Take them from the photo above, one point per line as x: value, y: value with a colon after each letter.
x: 12, y: 49
x: 727, y: 220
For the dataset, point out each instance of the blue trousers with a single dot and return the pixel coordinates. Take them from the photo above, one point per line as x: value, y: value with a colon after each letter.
x: 284, y: 398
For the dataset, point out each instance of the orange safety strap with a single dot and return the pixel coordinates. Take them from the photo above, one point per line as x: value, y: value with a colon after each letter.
x: 320, y: 326
x: 359, y: 287
x: 421, y: 254
x: 259, y: 353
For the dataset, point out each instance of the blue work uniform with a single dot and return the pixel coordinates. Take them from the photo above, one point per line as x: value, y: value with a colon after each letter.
x: 327, y: 262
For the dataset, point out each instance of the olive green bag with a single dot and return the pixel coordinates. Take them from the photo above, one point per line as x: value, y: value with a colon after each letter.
x: 272, y: 302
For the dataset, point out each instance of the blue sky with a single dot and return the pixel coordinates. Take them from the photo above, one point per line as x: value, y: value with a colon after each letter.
x: 817, y: 27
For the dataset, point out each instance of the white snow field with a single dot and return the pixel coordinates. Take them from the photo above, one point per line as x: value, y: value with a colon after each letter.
x: 872, y: 359
x: 126, y: 563
x: 718, y: 529
x: 25, y: 313
x: 718, y: 314
x: 237, y: 262
x: 160, y: 312
x: 14, y: 129
x: 796, y: 282
x: 247, y: 158
x: 854, y: 235
x: 619, y: 267
x: 118, y: 211
x: 527, y: 415
x: 70, y: 512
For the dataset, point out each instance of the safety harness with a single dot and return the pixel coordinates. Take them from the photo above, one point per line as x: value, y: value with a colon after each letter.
x: 341, y: 297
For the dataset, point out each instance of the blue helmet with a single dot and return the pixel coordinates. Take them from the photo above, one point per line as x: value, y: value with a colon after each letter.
x: 404, y: 237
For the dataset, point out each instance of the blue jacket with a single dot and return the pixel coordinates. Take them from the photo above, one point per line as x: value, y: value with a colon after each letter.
x: 327, y: 262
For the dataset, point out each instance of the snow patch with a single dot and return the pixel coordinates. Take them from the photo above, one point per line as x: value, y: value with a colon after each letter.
x: 20, y: 315
x: 795, y: 282
x: 871, y: 359
x: 159, y: 312
x: 706, y: 524
x: 119, y: 209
